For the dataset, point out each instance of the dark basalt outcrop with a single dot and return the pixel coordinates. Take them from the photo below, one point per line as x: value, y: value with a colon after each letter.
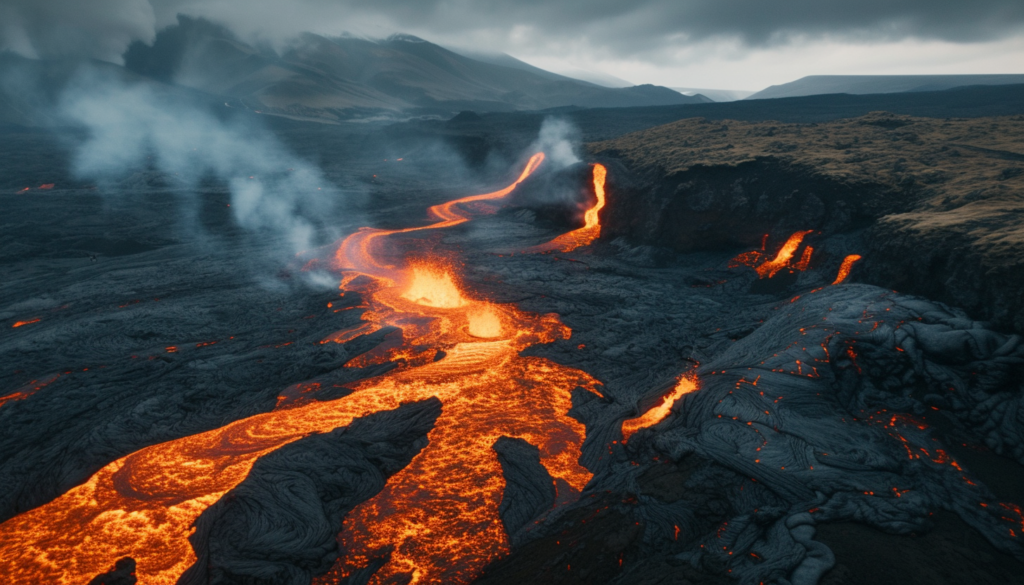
x: 936, y: 203
x: 822, y: 414
x: 123, y: 574
x: 529, y: 488
x: 280, y: 525
x: 723, y: 207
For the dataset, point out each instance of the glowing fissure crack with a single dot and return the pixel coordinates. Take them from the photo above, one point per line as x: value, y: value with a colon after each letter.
x: 658, y: 412
x: 438, y: 517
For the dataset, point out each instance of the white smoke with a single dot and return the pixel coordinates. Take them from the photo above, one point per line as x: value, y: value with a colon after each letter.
x: 131, y: 126
x: 557, y: 140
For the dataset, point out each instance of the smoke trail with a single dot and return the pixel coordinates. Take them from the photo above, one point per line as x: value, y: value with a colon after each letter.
x: 557, y: 139
x: 131, y: 125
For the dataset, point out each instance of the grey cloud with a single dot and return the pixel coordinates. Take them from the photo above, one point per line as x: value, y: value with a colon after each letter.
x: 103, y: 28
x: 98, y: 29
x: 643, y: 22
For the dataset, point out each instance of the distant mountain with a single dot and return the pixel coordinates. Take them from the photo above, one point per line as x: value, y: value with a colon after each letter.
x: 506, y: 60
x: 868, y: 84
x: 346, y: 77
x: 31, y: 89
x: 595, y: 77
x: 716, y: 95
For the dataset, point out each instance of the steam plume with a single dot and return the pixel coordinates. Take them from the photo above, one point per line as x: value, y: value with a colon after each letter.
x: 272, y: 191
x: 557, y: 140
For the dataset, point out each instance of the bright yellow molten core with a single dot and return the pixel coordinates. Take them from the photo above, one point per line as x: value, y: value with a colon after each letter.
x: 434, y: 289
x: 484, y: 322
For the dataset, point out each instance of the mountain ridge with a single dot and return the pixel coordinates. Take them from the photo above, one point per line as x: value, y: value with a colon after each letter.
x: 874, y: 84
x: 335, y: 78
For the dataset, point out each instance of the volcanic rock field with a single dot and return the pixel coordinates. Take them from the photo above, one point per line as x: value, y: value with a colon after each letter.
x: 785, y: 353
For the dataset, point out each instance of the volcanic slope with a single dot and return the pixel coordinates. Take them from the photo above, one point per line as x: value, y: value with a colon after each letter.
x: 342, y: 77
x: 946, y: 193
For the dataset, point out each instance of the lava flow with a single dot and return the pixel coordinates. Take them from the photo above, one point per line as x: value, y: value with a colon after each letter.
x: 845, y: 267
x: 435, y: 521
x: 656, y: 414
x: 784, y: 258
x: 591, y: 229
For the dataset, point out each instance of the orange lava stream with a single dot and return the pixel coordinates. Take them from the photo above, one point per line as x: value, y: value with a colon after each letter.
x: 844, y: 268
x: 358, y: 256
x: 438, y: 516
x: 658, y: 413
x: 783, y: 258
x: 805, y: 260
x: 591, y: 229
x: 29, y: 322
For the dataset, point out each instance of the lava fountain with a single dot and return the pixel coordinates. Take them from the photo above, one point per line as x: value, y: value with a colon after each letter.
x: 435, y: 521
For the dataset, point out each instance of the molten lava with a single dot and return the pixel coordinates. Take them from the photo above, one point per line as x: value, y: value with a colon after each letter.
x: 436, y: 521
x: 805, y: 260
x: 591, y: 229
x: 23, y: 323
x: 658, y: 413
x: 784, y: 257
x: 485, y: 323
x: 434, y: 289
x: 844, y: 268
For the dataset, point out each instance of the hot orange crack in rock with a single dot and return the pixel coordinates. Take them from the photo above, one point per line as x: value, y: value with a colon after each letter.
x: 438, y: 516
x: 658, y: 413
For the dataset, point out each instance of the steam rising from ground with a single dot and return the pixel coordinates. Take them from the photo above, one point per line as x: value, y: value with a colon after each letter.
x: 557, y: 140
x: 130, y: 126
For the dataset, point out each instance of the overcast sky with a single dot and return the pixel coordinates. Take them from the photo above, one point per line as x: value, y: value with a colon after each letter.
x: 715, y: 44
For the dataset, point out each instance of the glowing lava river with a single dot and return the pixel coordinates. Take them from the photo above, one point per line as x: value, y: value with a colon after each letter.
x: 438, y: 517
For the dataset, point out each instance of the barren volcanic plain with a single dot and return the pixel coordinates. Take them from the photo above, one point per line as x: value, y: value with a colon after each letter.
x: 709, y: 351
